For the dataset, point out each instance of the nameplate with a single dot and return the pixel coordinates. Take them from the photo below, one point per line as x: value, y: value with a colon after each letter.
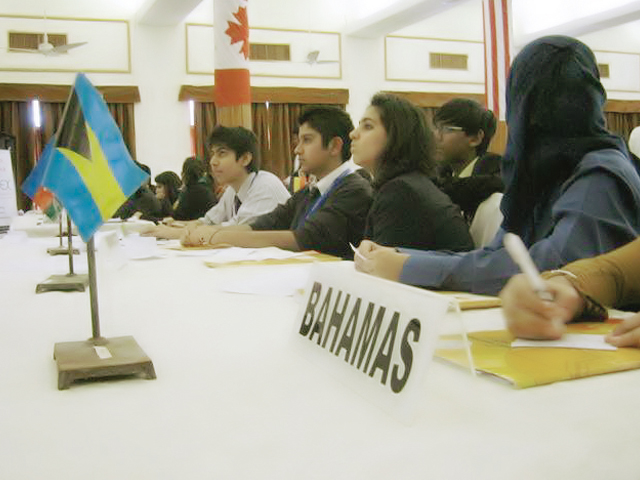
x: 376, y: 336
x: 8, y: 200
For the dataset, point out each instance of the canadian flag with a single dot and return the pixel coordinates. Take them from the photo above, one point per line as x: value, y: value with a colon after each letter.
x: 497, y: 54
x: 231, y: 27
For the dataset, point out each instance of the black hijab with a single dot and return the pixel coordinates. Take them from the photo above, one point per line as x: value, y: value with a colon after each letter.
x: 555, y: 117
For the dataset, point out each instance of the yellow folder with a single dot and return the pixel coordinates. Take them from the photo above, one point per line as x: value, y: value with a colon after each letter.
x: 530, y: 367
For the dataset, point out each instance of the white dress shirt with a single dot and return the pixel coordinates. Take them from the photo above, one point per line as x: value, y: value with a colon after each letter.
x: 260, y: 193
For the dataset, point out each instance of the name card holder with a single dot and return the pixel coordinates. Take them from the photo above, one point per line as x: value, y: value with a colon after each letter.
x: 376, y: 336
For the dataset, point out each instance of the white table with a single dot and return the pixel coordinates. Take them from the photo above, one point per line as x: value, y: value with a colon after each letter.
x: 233, y: 401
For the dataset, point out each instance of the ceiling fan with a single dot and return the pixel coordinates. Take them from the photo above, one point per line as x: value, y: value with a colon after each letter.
x: 312, y: 58
x: 47, y: 48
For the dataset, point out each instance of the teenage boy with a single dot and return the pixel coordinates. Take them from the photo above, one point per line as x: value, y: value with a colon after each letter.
x: 250, y: 192
x: 466, y: 172
x: 326, y: 215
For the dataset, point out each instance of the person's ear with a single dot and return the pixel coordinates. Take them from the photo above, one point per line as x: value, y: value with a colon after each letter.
x: 245, y: 159
x: 475, y: 140
x: 335, y: 146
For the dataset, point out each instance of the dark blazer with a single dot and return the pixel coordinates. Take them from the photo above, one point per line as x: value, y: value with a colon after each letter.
x: 338, y: 222
x: 194, y: 201
x: 411, y: 211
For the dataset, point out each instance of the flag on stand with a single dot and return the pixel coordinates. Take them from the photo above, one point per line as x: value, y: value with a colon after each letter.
x: 90, y: 169
x: 32, y: 186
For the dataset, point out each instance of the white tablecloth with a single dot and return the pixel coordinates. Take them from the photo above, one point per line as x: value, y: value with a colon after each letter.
x: 233, y: 401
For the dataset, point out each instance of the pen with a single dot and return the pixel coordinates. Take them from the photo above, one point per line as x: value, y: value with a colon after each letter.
x: 357, y: 253
x: 521, y: 256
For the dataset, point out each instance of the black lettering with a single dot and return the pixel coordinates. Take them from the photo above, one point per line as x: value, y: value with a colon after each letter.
x: 368, y: 339
x: 309, y: 313
x: 383, y: 359
x: 349, y: 332
x: 406, y: 353
x: 336, y: 320
x: 318, y: 327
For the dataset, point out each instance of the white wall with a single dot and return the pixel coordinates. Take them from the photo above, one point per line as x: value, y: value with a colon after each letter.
x: 159, y: 64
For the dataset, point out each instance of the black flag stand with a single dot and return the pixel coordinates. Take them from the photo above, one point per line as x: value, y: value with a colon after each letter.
x: 61, y: 249
x: 71, y: 282
x: 99, y: 357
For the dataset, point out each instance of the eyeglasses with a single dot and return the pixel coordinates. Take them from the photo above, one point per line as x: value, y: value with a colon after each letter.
x: 448, y: 128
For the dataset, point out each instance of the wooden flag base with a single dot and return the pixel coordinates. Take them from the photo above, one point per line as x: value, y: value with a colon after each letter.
x: 70, y: 282
x: 101, y: 357
x: 61, y: 251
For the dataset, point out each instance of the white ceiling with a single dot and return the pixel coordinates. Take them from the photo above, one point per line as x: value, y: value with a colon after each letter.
x: 531, y: 18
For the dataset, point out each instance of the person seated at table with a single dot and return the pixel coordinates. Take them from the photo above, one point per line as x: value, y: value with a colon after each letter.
x: 324, y: 216
x: 195, y: 198
x: 394, y: 143
x: 168, y: 186
x: 579, y: 292
x: 571, y: 189
x: 250, y: 192
x: 466, y: 172
x: 142, y: 204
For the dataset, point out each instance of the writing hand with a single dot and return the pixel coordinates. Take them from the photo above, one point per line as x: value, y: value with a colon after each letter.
x: 528, y: 316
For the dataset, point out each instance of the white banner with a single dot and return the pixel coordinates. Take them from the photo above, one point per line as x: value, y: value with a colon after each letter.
x: 377, y: 336
x: 231, y: 39
x: 8, y: 199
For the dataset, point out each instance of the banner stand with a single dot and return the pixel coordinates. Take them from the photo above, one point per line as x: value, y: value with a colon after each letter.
x: 99, y: 357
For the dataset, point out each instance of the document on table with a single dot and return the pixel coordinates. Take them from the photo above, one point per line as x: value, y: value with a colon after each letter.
x: 239, y: 254
x: 568, y: 340
x: 281, y: 282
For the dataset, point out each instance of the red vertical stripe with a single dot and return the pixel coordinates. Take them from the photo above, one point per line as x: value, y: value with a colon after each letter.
x: 505, y: 35
x: 494, y: 59
x: 486, y: 76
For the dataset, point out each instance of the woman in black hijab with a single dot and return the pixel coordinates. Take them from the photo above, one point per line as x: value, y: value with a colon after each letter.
x: 571, y: 190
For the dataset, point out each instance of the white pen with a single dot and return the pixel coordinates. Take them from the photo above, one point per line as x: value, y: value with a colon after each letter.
x: 520, y: 255
x: 355, y: 250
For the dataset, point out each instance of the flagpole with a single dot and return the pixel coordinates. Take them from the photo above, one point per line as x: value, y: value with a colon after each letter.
x: 70, y: 244
x: 71, y: 282
x: 61, y: 249
x: 93, y: 290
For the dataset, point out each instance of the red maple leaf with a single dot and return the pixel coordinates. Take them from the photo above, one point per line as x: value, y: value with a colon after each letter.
x: 240, y: 32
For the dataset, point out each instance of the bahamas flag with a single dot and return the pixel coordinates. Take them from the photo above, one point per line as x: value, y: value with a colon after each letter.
x: 90, y: 170
x: 32, y: 185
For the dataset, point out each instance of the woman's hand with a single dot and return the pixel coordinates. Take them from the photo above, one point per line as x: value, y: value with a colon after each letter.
x: 380, y: 261
x: 528, y: 316
x: 627, y: 334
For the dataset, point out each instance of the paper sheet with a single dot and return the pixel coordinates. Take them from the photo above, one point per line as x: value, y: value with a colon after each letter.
x: 238, y: 254
x: 568, y: 340
x: 281, y: 282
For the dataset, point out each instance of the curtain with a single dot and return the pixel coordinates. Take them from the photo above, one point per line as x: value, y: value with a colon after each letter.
x: 622, y: 123
x: 205, y: 119
x: 15, y: 119
x: 273, y: 127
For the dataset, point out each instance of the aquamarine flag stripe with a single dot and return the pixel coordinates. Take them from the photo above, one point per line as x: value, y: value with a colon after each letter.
x: 97, y: 115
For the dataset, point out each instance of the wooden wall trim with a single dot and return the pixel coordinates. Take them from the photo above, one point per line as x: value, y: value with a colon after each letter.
x: 428, y: 99
x: 22, y: 92
x: 331, y: 96
x: 622, y: 106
